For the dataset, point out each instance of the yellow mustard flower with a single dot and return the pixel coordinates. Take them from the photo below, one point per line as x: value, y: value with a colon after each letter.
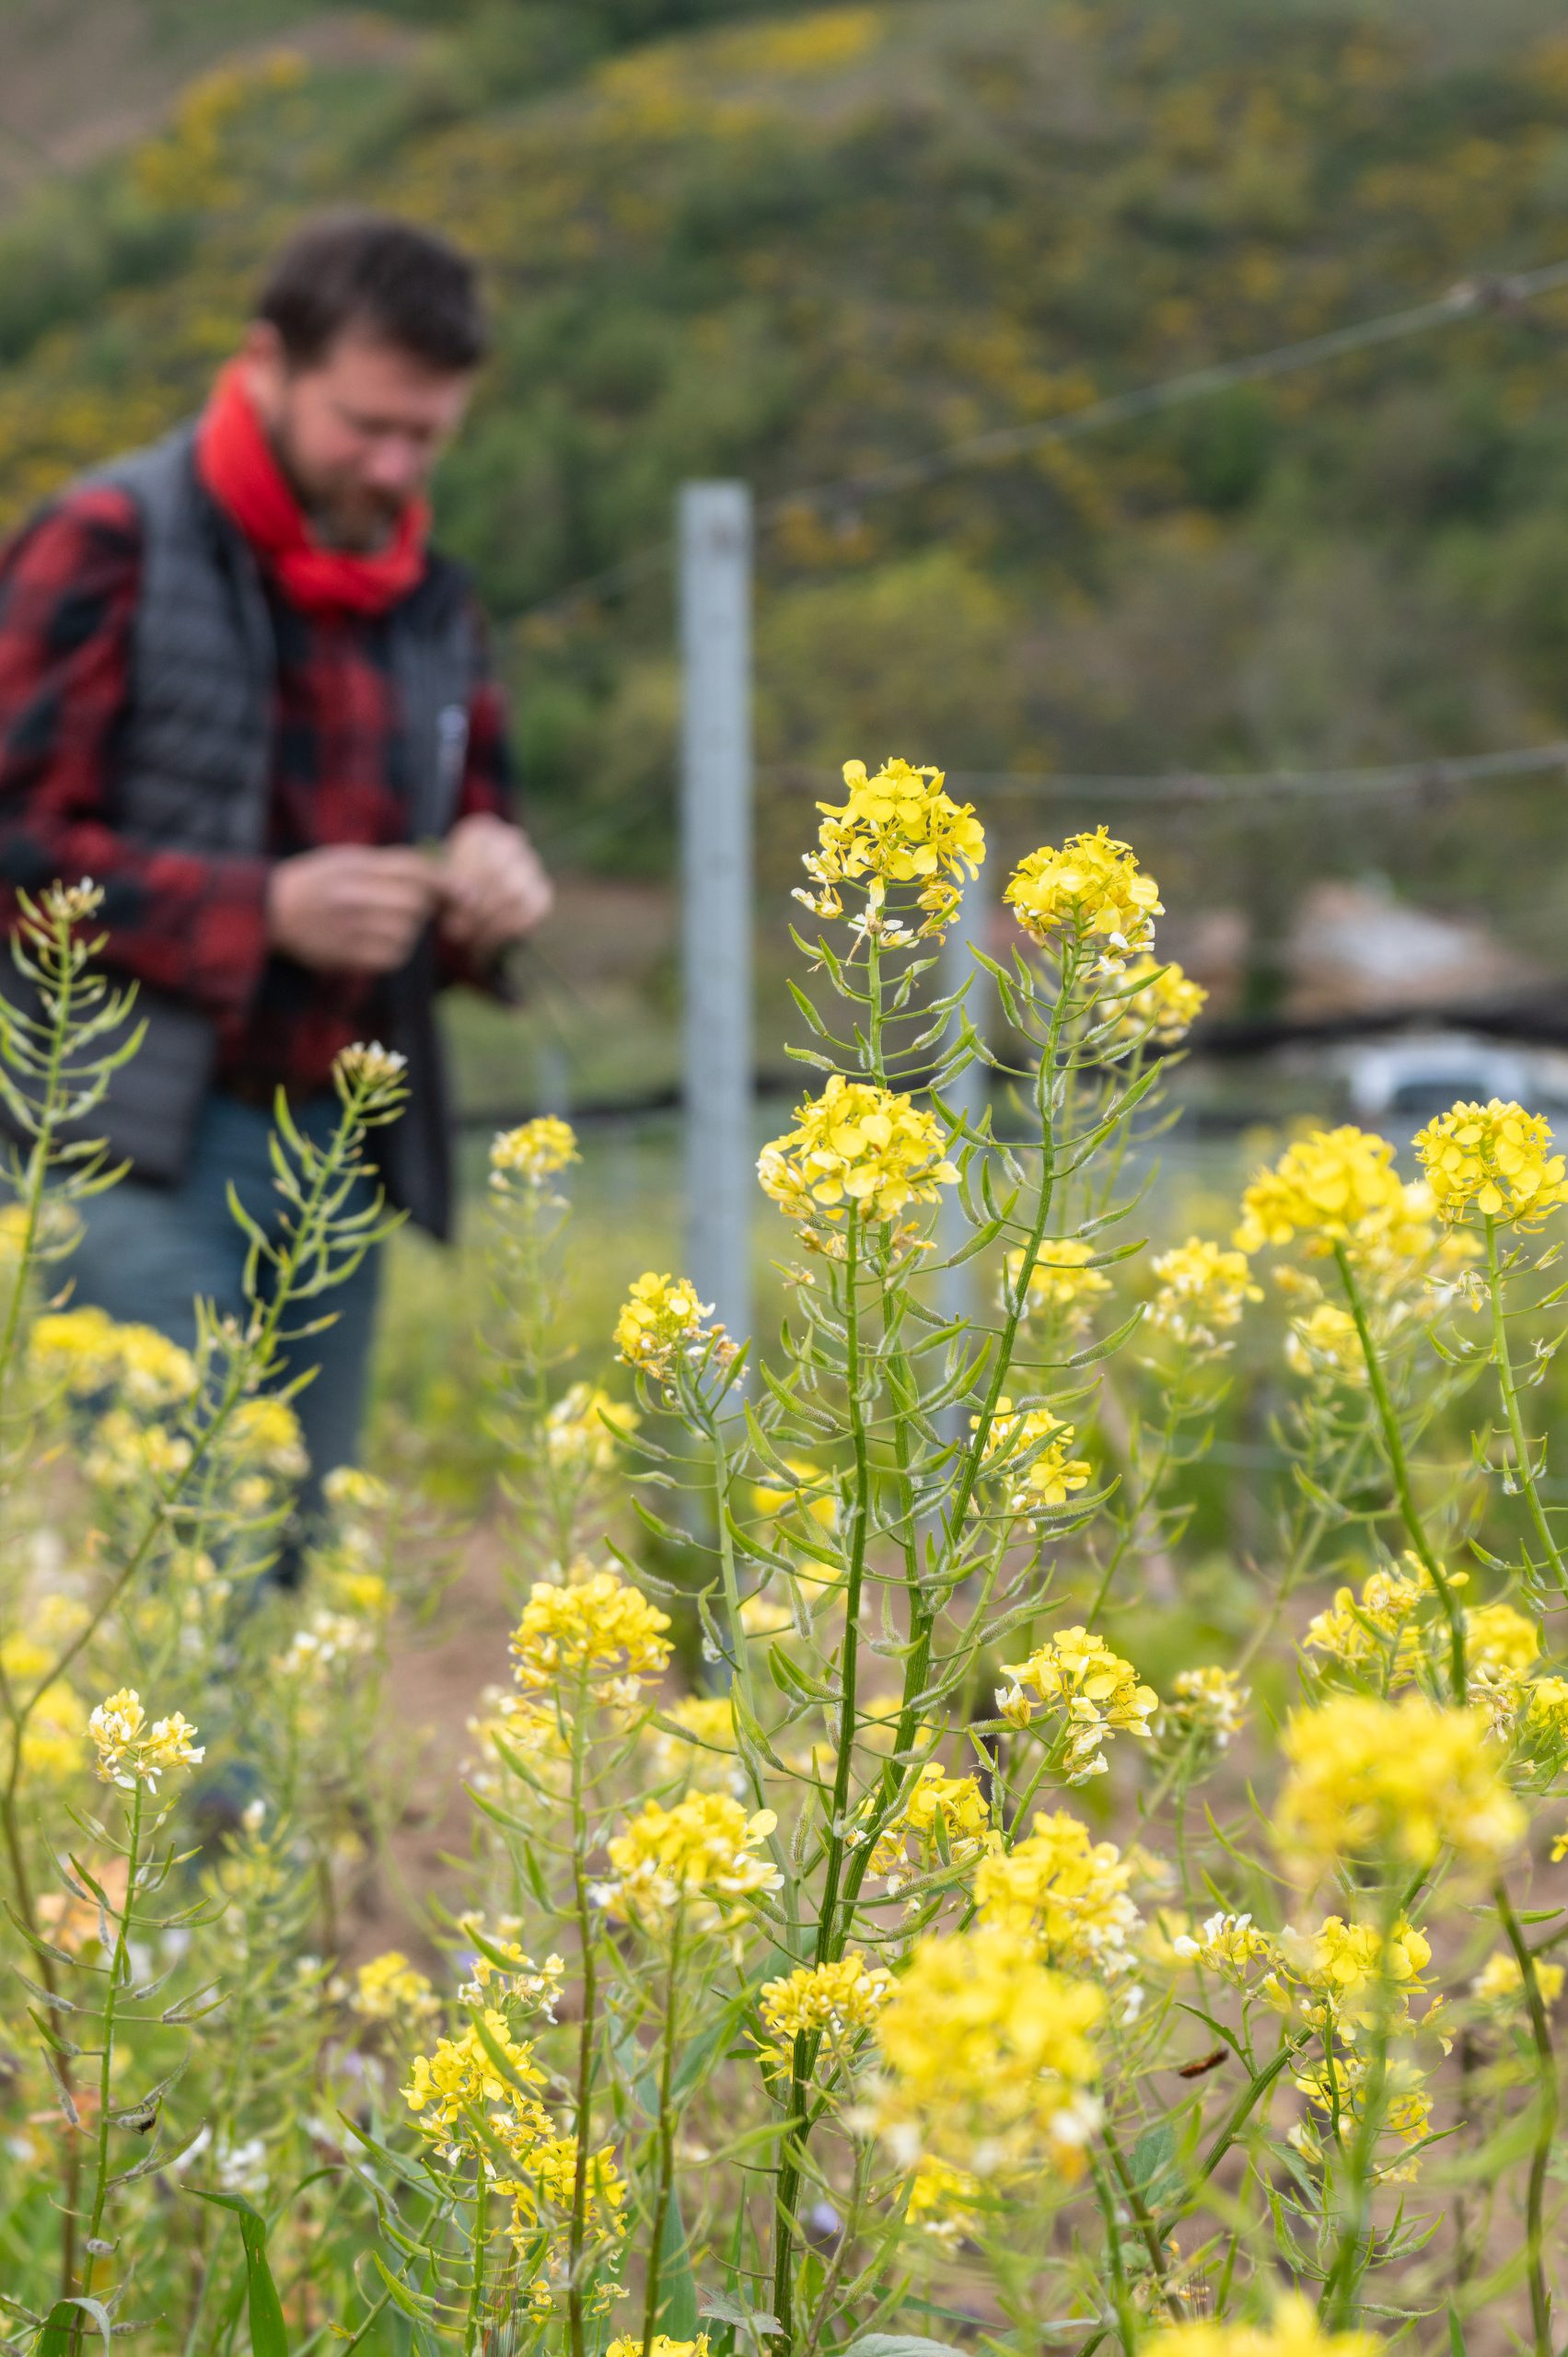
x: 833, y: 1998
x: 388, y: 1988
x: 661, y: 1321
x: 705, y: 1749
x: 942, y: 2201
x: 1077, y: 1674
x: 1209, y: 1704
x: 941, y: 1818
x: 698, y: 1860
x: 857, y: 1147
x: 1091, y: 891
x: 1500, y: 1984
x: 1065, y: 1888
x: 1345, y: 1977
x: 1335, y: 1186
x: 1162, y: 1003
x: 1294, y: 2331
x: 810, y: 1496
x: 84, y: 1350
x: 663, y: 2346
x: 372, y: 1075
x: 1402, y: 1780
x: 583, y: 1428
x: 1326, y: 1343
x: 599, y: 1631
x: 1060, y: 1282
x: 988, y: 2056
x: 1356, y: 1630
x: 131, y: 1752
x: 1495, y: 1160
x: 1201, y: 1289
x: 1032, y: 1450
x: 1497, y: 1637
x: 52, y: 1740
x: 534, y: 1153
x: 266, y: 1432
x: 896, y: 828
x: 459, y: 2077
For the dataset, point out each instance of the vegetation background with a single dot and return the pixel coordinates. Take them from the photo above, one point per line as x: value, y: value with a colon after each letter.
x: 797, y: 243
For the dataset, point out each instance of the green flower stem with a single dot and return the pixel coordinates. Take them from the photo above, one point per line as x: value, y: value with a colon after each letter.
x: 1144, y: 2220
x: 1524, y: 1466
x: 119, y: 1978
x: 1126, y: 2314
x: 1546, y: 2125
x: 583, y: 1908
x: 1399, y: 1466
x: 804, y: 2054
x: 666, y: 2139
x: 475, y: 2324
x: 1045, y: 1099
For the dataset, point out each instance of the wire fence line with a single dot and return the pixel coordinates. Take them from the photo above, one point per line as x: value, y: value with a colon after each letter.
x: 1482, y: 294
x: 1242, y: 786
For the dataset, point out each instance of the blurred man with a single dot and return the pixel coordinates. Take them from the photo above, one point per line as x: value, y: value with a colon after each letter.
x: 239, y: 691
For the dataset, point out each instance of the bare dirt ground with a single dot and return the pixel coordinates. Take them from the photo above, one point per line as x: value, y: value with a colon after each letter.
x: 80, y: 78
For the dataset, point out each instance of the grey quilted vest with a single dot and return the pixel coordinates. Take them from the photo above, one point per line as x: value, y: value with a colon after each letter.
x: 194, y: 771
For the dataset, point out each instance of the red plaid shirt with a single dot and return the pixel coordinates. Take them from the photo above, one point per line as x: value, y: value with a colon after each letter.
x: 181, y: 920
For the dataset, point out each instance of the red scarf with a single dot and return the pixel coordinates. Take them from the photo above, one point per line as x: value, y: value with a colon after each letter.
x: 234, y: 460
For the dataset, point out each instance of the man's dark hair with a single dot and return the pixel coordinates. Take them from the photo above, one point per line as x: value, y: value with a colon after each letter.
x: 378, y: 275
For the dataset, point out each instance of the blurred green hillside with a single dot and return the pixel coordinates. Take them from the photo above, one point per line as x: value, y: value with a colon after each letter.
x: 799, y: 243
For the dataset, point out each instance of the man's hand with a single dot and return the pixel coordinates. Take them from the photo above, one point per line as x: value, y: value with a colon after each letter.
x: 348, y: 909
x: 493, y: 889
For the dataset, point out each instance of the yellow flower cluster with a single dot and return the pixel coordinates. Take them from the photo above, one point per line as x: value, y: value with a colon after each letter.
x: 601, y: 1633
x: 697, y: 1860
x: 1495, y: 1160
x: 1060, y: 1282
x: 1092, y: 889
x: 942, y: 2201
x: 1033, y: 1449
x: 1207, y: 1704
x: 1326, y: 1344
x: 663, y: 2346
x: 1161, y: 1003
x: 372, y: 1076
x: 534, y: 1153
x: 1334, y: 1186
x: 1398, y: 1781
x: 1077, y: 1674
x: 704, y: 1751
x: 582, y: 1428
x: 84, y: 1352
x: 1068, y: 1890
x: 1500, y: 1985
x: 390, y: 1989
x: 265, y: 1433
x: 942, y: 1819
x: 896, y: 828
x: 1293, y: 2332
x: 1355, y: 1631
x: 988, y: 2056
x: 130, y: 1752
x: 661, y: 1321
x: 872, y: 1149
x: 1337, y: 2089
x: 1498, y: 1637
x: 507, y: 1971
x: 459, y: 2078
x: 830, y: 1998
x: 52, y: 1740
x: 810, y: 1497
x: 1200, y: 1292
x: 1351, y: 1977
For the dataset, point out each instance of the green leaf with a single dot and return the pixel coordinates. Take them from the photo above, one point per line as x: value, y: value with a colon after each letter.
x: 677, y: 2302
x: 1455, y: 2333
x: 899, y: 2344
x: 268, y: 2338
x: 1153, y: 2163
x: 60, y: 2327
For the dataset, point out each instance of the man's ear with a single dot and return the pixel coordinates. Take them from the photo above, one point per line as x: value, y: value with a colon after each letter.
x: 264, y: 366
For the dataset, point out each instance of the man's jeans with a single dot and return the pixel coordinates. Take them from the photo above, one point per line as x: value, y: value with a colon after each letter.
x: 148, y: 1251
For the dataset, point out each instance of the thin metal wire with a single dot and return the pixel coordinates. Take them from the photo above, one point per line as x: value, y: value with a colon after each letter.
x: 1477, y: 296
x: 1246, y: 788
